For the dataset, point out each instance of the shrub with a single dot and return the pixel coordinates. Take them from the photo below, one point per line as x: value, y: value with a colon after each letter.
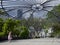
x: 24, y: 32
x: 56, y: 30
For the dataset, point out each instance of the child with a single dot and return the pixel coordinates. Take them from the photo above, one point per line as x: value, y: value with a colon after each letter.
x: 9, y: 37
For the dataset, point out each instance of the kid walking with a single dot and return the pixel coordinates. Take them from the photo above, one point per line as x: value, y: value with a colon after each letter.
x: 9, y: 37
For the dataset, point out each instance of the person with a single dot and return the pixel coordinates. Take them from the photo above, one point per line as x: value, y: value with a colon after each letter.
x: 9, y: 36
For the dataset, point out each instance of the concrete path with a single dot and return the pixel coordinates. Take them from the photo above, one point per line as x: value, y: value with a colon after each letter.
x: 41, y: 41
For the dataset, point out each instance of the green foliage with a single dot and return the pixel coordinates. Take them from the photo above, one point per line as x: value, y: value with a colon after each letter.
x: 2, y: 12
x: 1, y: 24
x: 24, y: 32
x: 4, y: 28
x: 57, y: 9
x: 37, y: 23
x: 14, y: 26
x: 1, y: 31
x: 54, y: 15
x: 1, y: 34
x: 16, y: 32
x: 56, y: 30
x: 8, y: 25
x: 53, y: 19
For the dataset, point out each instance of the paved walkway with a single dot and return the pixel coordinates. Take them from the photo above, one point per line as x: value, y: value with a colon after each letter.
x: 41, y: 41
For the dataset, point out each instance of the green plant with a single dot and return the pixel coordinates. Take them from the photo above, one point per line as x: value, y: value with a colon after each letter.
x: 24, y: 32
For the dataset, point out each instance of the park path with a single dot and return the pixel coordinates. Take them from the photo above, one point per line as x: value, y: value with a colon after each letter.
x: 41, y: 41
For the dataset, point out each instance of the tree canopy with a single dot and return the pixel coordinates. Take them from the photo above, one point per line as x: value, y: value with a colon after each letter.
x: 53, y: 19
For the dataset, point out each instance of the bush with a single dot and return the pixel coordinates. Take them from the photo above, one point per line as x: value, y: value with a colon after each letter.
x: 13, y: 26
x: 1, y: 34
x: 56, y: 30
x: 1, y: 31
x: 9, y: 25
x: 24, y: 34
x: 16, y: 33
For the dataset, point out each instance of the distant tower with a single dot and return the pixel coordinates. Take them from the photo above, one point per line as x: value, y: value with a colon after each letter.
x: 19, y: 14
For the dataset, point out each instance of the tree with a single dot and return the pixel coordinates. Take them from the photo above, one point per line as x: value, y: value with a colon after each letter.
x: 56, y: 30
x: 24, y: 34
x: 53, y: 18
x: 1, y: 25
x: 9, y: 25
x: 54, y: 15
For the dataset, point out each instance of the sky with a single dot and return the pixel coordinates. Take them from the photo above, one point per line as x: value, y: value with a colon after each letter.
x: 36, y: 14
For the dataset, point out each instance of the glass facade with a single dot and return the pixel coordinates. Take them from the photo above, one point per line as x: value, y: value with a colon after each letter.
x: 9, y: 0
x: 36, y: 5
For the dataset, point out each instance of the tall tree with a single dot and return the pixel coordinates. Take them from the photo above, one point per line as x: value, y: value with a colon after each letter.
x: 54, y: 20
